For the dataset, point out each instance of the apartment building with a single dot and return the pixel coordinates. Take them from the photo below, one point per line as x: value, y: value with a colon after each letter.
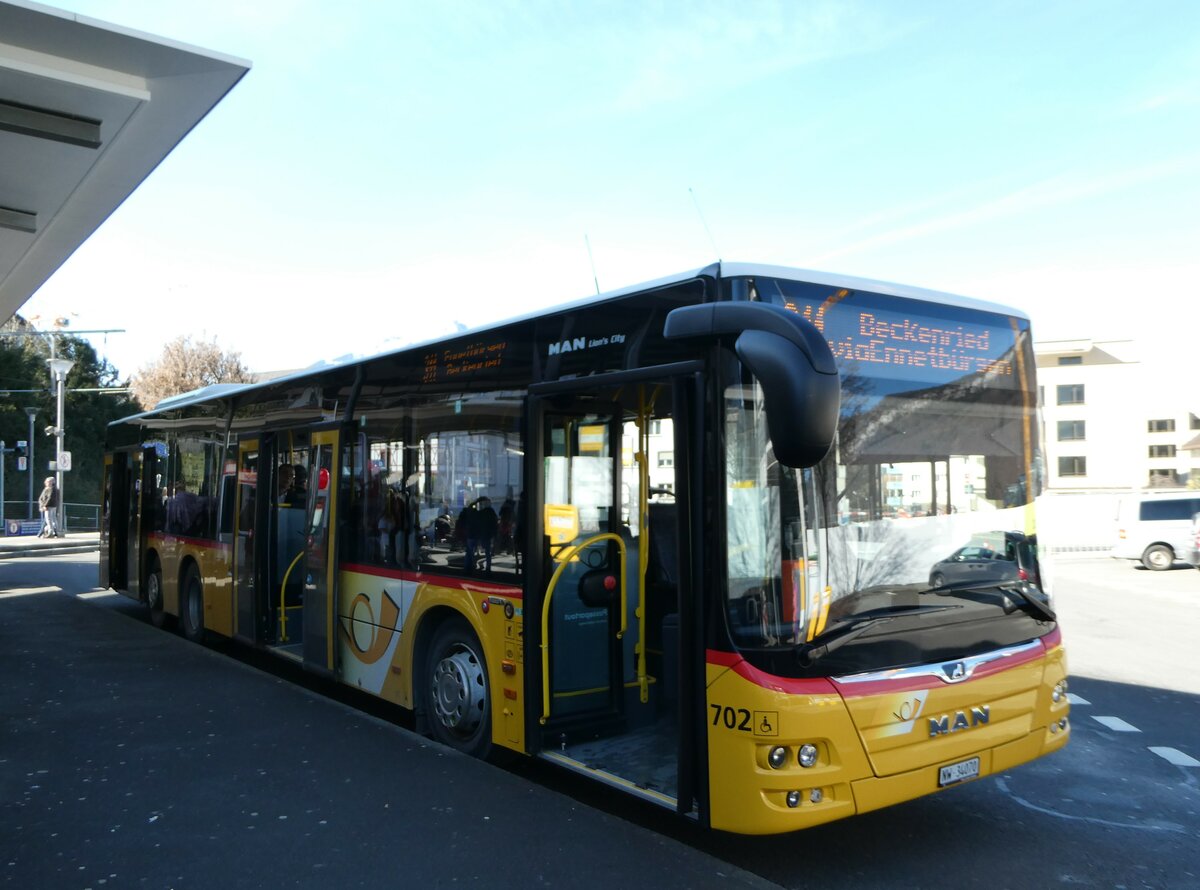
x: 1114, y: 421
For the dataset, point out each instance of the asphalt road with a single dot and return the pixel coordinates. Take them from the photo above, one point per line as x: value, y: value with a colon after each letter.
x: 1124, y: 623
x: 342, y: 793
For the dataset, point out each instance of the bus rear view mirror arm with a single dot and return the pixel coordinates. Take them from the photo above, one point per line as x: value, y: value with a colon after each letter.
x: 792, y: 361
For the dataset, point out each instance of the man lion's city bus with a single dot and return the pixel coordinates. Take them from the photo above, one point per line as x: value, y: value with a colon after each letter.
x: 751, y: 543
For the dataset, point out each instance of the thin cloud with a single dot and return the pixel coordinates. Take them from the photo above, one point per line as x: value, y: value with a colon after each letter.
x: 716, y: 49
x: 1181, y: 96
x: 1056, y: 191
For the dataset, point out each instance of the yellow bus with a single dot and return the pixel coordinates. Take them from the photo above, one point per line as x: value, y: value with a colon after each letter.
x: 752, y: 543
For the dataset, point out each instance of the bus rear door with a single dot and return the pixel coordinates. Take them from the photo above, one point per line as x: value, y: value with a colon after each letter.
x: 114, y: 528
x: 246, y: 559
x: 144, y: 497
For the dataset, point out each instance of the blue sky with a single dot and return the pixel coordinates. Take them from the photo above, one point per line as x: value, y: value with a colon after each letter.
x: 387, y: 170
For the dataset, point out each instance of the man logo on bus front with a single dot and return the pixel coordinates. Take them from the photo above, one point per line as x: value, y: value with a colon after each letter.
x: 955, y: 671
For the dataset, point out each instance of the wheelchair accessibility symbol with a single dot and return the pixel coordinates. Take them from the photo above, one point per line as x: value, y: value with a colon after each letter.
x: 766, y: 723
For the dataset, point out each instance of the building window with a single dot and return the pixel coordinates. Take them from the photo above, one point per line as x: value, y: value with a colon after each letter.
x: 1072, y: 466
x: 1070, y: 359
x: 1160, y: 426
x: 1071, y: 430
x: 666, y: 458
x: 1163, y: 479
x: 1194, y: 422
x: 1162, y: 450
x: 1070, y: 394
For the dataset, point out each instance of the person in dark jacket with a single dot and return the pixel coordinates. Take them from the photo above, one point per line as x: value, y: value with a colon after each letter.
x: 482, y: 525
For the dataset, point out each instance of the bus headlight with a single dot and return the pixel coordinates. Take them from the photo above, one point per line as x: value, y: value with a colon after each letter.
x: 777, y: 757
x: 807, y: 755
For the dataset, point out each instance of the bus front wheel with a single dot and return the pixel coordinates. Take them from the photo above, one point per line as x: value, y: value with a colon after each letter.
x: 457, y: 696
x: 192, y: 605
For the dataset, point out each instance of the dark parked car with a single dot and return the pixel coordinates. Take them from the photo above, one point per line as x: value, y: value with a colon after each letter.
x: 986, y: 560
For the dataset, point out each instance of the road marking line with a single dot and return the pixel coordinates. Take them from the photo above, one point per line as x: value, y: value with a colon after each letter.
x: 28, y: 591
x: 96, y: 594
x: 1140, y: 825
x: 1077, y: 699
x: 1116, y: 724
x: 1176, y: 757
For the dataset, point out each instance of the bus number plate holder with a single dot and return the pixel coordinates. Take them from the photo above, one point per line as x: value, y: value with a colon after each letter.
x: 958, y: 772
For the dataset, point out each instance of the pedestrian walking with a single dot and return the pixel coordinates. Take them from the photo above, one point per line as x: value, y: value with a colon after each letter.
x: 48, y: 504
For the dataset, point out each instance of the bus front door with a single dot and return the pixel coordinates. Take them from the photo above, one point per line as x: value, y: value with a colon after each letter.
x: 604, y: 603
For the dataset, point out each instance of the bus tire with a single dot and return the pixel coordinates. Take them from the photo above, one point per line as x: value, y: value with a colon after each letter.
x: 1158, y: 557
x: 456, y: 691
x: 191, y: 605
x: 154, y: 593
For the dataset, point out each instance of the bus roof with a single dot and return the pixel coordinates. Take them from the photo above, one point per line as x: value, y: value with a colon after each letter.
x: 720, y: 270
x: 738, y: 270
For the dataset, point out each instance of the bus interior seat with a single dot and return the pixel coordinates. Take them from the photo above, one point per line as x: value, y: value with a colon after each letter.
x: 662, y: 570
x: 662, y: 594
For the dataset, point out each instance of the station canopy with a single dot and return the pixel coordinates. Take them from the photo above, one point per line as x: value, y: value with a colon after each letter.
x: 87, y: 111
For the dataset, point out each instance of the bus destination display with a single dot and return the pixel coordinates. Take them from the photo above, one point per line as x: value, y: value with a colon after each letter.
x: 457, y: 362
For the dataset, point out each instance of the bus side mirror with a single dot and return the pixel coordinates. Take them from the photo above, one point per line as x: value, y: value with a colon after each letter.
x: 792, y: 361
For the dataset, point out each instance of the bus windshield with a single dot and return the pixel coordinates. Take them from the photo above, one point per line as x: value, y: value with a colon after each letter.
x: 925, y: 498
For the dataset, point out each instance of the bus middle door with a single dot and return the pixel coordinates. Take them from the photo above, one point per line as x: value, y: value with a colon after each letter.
x: 319, y: 563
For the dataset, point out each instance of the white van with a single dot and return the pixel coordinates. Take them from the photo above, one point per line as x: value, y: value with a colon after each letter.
x: 1156, y: 527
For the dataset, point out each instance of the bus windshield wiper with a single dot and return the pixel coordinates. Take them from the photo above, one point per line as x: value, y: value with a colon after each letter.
x: 841, y: 634
x: 1025, y: 600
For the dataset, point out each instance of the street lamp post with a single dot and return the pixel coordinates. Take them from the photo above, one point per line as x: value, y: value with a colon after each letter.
x: 31, y: 466
x: 59, y: 368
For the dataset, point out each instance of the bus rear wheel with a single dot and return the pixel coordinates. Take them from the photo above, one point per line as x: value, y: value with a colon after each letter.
x: 154, y: 594
x: 191, y: 606
x: 457, y: 696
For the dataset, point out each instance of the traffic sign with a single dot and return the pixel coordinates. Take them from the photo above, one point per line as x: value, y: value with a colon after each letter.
x: 64, y: 460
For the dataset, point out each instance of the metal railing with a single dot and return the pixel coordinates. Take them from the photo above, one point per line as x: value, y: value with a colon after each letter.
x: 79, y: 517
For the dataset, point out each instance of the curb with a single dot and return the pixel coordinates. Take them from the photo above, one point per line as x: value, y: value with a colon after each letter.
x: 52, y: 550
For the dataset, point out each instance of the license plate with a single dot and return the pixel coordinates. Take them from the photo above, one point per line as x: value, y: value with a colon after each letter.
x: 958, y: 772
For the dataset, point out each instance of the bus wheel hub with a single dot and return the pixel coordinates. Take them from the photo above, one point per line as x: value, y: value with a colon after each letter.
x: 458, y: 693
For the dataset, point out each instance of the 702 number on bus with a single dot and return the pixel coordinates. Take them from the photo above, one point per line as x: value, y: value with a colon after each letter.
x: 745, y: 720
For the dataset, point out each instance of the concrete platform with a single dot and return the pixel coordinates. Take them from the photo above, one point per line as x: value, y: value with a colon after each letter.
x: 130, y: 757
x: 31, y: 545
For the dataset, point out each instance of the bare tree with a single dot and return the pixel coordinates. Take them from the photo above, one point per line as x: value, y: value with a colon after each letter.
x: 186, y: 365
